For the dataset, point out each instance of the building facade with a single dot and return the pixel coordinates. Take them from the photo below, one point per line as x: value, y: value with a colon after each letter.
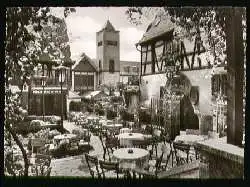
x: 84, y: 75
x: 162, y: 52
x: 128, y: 69
x: 108, y: 55
x: 49, y: 97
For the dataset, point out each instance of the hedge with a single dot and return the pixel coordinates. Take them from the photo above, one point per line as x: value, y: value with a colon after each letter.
x: 75, y: 106
x: 111, y: 114
x: 125, y: 116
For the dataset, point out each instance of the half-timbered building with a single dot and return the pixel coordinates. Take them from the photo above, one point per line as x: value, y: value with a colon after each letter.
x: 163, y: 51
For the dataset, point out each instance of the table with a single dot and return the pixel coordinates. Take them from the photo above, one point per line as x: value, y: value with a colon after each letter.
x: 92, y: 118
x: 125, y: 130
x: 190, y: 139
x: 126, y: 139
x: 127, y: 160
x: 118, y: 125
x: 58, y: 138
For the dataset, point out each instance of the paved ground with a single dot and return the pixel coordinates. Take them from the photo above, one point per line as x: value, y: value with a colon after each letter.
x: 76, y: 165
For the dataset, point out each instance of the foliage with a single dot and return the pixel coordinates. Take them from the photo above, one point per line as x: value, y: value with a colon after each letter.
x: 144, y: 117
x: 100, y: 111
x: 75, y: 106
x: 116, y: 99
x: 23, y: 47
x: 111, y: 114
x: 208, y: 22
x: 125, y: 116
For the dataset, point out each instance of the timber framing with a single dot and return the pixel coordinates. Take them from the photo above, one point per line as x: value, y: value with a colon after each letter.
x: 170, y: 54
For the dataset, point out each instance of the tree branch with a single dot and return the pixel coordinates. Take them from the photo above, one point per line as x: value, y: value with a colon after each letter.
x: 20, y: 145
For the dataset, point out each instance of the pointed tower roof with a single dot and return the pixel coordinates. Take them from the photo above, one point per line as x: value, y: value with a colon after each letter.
x: 108, y: 26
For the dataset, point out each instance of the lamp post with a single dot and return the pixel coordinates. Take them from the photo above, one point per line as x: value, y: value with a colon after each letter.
x: 43, y: 85
x: 62, y: 75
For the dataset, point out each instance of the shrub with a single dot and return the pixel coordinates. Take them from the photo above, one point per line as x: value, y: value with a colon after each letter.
x: 75, y: 106
x: 125, y: 116
x: 35, y: 125
x: 144, y: 117
x: 89, y: 108
x: 116, y: 99
x: 99, y: 111
x: 111, y: 114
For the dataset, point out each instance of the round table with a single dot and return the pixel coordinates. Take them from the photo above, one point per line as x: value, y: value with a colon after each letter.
x: 126, y: 139
x: 188, y: 138
x: 131, y: 160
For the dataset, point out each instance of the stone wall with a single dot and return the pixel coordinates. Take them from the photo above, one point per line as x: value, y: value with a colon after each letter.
x: 189, y: 170
x: 220, y: 160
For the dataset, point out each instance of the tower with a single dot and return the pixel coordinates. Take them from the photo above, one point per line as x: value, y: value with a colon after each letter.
x: 108, y: 55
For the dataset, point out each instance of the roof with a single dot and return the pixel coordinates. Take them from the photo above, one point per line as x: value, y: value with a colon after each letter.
x: 87, y: 64
x: 108, y: 27
x: 160, y: 26
x: 73, y: 95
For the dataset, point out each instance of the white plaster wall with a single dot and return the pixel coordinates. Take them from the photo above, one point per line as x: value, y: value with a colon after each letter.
x: 110, y: 78
x: 150, y: 87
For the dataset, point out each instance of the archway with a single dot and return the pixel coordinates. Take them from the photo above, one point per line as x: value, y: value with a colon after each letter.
x: 188, y: 119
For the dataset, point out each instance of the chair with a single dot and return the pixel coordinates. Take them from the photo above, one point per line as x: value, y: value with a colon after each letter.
x: 109, y: 166
x: 145, y: 173
x: 181, y: 151
x: 92, y: 163
x: 141, y: 144
x: 196, y: 151
x: 101, y: 137
x: 137, y: 130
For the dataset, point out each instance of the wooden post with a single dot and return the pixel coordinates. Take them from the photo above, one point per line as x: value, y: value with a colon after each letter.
x: 235, y: 59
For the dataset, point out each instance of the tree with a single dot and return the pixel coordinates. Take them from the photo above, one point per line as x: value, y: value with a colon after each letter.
x: 216, y: 24
x: 192, y: 22
x: 22, y: 49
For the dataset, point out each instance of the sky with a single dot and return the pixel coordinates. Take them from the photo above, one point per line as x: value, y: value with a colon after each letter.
x: 86, y: 21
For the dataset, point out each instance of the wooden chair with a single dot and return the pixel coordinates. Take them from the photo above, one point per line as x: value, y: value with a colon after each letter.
x: 102, y: 139
x: 111, y: 143
x: 181, y: 152
x: 197, y: 152
x: 92, y: 162
x: 145, y: 173
x: 109, y: 166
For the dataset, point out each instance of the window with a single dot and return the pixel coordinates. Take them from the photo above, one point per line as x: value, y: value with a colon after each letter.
x: 135, y: 69
x: 109, y: 42
x: 100, y: 64
x: 111, y: 66
x: 126, y: 69
x: 99, y: 43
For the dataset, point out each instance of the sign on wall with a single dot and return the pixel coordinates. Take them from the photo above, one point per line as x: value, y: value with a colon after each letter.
x: 52, y: 92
